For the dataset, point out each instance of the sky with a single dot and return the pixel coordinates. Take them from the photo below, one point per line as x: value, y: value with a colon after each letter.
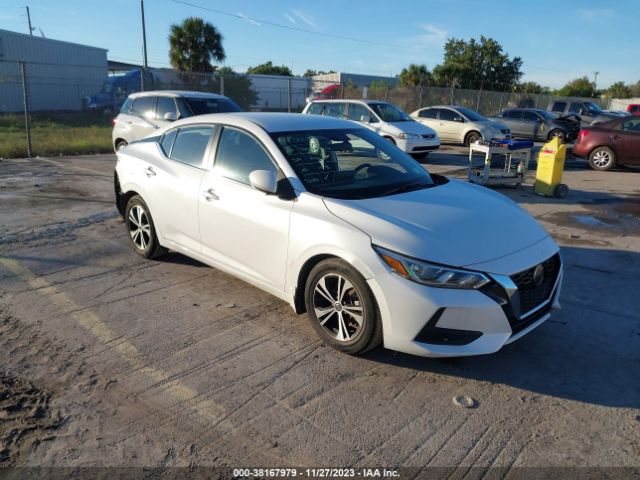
x: 558, y: 40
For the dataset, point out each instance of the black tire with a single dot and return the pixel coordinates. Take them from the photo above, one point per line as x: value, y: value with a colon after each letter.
x: 356, y: 297
x: 137, y: 213
x: 390, y: 140
x: 602, y: 159
x: 561, y: 191
x: 120, y: 144
x: 557, y: 133
x: 472, y: 137
x: 420, y: 155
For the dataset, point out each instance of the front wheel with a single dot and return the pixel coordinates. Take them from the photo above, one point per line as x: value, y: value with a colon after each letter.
x: 602, y: 158
x: 341, y: 307
x: 140, y: 229
x: 472, y: 137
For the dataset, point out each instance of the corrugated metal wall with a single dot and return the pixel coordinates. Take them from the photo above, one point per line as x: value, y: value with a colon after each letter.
x: 59, y: 73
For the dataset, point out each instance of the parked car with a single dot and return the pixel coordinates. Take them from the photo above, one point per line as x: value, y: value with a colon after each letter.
x: 144, y: 112
x: 338, y: 222
x: 590, y: 113
x: 383, y: 118
x: 612, y: 143
x: 633, y: 108
x: 539, y: 125
x: 457, y: 124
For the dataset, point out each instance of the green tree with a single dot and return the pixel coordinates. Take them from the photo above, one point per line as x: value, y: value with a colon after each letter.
x: 635, y: 89
x: 479, y: 65
x: 531, y: 88
x: 579, y: 87
x: 312, y: 73
x: 270, y: 69
x: 223, y: 71
x: 415, y: 76
x: 194, y: 44
x: 618, y: 90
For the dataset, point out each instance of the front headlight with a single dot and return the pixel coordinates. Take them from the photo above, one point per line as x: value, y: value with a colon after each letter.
x: 431, y: 274
x: 408, y: 136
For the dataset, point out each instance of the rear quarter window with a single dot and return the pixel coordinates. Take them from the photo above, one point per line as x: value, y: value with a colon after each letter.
x: 315, y: 108
x: 559, y: 106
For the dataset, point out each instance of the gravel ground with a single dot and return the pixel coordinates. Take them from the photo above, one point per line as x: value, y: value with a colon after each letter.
x: 108, y: 360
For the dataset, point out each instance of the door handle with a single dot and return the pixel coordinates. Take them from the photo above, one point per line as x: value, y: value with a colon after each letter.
x: 210, y: 194
x: 149, y: 172
x: 615, y: 137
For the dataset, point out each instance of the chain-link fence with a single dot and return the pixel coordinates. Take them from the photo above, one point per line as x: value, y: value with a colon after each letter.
x: 50, y: 109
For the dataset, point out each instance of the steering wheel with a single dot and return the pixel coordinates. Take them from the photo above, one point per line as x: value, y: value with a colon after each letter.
x: 360, y: 167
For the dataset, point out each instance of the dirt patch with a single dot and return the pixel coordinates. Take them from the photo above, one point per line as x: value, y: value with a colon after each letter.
x: 26, y: 418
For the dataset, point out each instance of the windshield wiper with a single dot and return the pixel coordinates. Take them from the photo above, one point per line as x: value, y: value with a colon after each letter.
x: 407, y: 188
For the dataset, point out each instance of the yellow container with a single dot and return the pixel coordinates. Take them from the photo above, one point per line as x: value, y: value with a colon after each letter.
x: 550, y: 168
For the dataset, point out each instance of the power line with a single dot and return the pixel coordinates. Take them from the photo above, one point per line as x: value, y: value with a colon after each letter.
x: 304, y: 30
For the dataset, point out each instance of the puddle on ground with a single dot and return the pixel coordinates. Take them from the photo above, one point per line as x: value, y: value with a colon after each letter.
x: 589, y: 220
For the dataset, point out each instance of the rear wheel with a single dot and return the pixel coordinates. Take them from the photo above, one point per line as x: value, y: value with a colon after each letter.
x: 120, y: 144
x: 472, y: 137
x: 602, y: 158
x: 390, y: 140
x: 141, y: 230
x: 341, y: 307
x: 557, y: 133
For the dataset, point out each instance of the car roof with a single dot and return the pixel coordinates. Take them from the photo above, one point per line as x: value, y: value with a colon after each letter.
x: 176, y: 93
x: 272, y: 122
x: 348, y: 100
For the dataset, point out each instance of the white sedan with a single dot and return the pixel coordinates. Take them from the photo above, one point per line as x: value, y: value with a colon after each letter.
x: 338, y: 222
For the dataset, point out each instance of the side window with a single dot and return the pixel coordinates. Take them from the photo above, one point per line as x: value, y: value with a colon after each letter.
x: 512, y: 114
x: 191, y: 144
x: 632, y: 125
x: 448, y: 115
x: 575, y: 107
x: 167, y: 142
x: 126, y: 106
x: 165, y: 105
x: 315, y: 108
x: 183, y: 108
x: 429, y: 113
x: 357, y: 111
x: 530, y: 117
x: 559, y: 106
x: 143, y: 106
x: 333, y: 110
x: 239, y: 154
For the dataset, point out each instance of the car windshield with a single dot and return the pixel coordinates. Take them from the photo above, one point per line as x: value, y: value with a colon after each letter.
x: 389, y: 113
x: 350, y: 163
x: 202, y: 106
x: 471, y: 115
x: 593, y: 107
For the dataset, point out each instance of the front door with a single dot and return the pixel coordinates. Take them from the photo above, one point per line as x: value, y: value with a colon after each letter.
x: 626, y: 139
x: 242, y: 228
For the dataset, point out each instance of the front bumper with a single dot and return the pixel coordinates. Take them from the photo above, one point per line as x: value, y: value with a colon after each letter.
x: 439, y: 322
x: 418, y: 145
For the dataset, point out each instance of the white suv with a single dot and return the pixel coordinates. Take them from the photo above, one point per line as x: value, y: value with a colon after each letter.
x: 144, y: 112
x: 383, y: 118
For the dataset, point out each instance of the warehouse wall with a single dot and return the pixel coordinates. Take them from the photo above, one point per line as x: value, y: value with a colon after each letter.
x: 59, y: 73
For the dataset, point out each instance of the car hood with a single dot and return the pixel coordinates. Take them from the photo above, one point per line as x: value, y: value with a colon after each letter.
x: 496, y: 125
x: 457, y: 224
x: 410, y: 127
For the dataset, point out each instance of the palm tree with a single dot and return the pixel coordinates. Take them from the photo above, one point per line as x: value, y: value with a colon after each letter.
x: 415, y: 76
x: 194, y: 44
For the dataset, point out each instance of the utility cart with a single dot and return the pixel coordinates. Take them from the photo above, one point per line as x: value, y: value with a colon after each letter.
x: 510, y: 173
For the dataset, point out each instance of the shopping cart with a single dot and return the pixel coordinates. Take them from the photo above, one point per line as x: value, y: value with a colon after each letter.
x: 504, y: 164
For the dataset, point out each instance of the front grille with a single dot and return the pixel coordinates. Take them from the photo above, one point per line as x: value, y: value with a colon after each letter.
x: 518, y: 325
x: 429, y: 135
x: 532, y: 295
x: 505, y: 131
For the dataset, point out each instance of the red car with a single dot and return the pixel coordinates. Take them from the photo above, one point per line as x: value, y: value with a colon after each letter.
x: 616, y: 142
x: 634, y: 109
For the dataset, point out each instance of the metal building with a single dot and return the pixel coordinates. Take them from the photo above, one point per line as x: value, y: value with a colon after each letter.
x: 60, y: 74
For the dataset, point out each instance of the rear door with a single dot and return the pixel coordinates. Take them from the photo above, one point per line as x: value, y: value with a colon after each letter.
x: 513, y: 119
x: 530, y: 124
x: 165, y: 106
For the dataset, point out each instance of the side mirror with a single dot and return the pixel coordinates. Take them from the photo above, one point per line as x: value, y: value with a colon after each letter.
x: 583, y: 111
x: 170, y: 116
x: 458, y: 119
x: 365, y: 118
x: 264, y: 180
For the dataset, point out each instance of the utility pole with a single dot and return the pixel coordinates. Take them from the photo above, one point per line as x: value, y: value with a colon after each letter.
x: 25, y: 99
x: 31, y: 29
x: 144, y: 47
x: 595, y: 80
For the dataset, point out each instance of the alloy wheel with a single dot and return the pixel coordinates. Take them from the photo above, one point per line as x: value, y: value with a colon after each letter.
x: 139, y: 227
x: 601, y: 159
x: 338, y: 307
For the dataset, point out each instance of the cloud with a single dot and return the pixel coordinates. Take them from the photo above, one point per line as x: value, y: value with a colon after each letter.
x: 596, y: 14
x: 305, y: 18
x: 430, y: 37
x: 250, y: 20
